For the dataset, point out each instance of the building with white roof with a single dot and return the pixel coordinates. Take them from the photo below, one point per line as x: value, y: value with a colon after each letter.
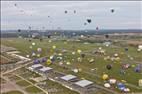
x: 36, y: 66
x: 45, y: 69
x: 68, y: 77
x: 84, y: 83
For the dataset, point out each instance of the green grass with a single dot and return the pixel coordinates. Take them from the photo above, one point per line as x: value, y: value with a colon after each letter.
x: 130, y: 76
x: 23, y: 83
x: 13, y: 92
x: 33, y: 90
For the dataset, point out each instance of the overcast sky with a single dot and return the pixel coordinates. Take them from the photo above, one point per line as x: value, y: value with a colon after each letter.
x: 126, y: 15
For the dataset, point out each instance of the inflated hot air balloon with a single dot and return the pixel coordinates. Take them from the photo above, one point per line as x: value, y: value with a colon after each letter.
x: 85, y: 23
x: 33, y: 54
x: 105, y: 77
x: 41, y: 39
x: 19, y: 30
x: 52, y: 58
x: 79, y: 51
x: 74, y: 11
x: 33, y: 43
x: 107, y: 85
x: 82, y: 55
x: 97, y: 28
x: 73, y: 53
x: 39, y: 49
x: 43, y: 60
x: 54, y: 47
x: 49, y: 62
x: 89, y: 20
x: 38, y: 55
x: 121, y: 86
x: 112, y: 10
x: 49, y: 36
x: 36, y: 61
x: 15, y: 5
x: 126, y: 49
x: 106, y: 36
x: 137, y: 68
x: 66, y: 11
x: 108, y: 66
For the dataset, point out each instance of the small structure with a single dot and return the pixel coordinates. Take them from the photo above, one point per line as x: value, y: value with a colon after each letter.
x: 45, y: 70
x: 84, y: 84
x: 69, y: 77
x: 35, y: 66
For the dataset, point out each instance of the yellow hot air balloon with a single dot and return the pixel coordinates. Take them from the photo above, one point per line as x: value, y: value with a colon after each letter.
x: 48, y: 62
x: 54, y: 47
x: 79, y: 51
x: 105, y: 76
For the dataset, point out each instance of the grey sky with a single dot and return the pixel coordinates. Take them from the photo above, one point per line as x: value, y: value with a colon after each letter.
x: 127, y: 14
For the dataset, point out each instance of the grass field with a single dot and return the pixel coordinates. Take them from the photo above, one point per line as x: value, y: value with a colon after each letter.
x: 22, y: 83
x: 33, y: 90
x: 130, y: 76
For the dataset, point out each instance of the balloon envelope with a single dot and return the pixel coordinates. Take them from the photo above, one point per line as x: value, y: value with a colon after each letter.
x: 105, y: 76
x: 89, y: 20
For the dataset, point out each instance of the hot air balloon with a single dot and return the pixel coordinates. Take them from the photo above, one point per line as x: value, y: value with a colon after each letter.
x: 106, y: 36
x: 109, y: 66
x: 41, y: 39
x: 74, y: 11
x: 49, y: 62
x: 137, y: 68
x: 30, y: 40
x: 36, y: 61
x: 82, y: 55
x: 121, y: 86
x: 52, y: 58
x: 126, y: 49
x: 19, y: 30
x: 49, y: 36
x: 15, y: 5
x: 112, y: 10
x: 66, y: 11
x: 43, y: 60
x: 89, y: 20
x: 97, y: 28
x: 39, y: 49
x: 54, y: 47
x: 79, y: 51
x: 85, y: 23
x: 105, y: 77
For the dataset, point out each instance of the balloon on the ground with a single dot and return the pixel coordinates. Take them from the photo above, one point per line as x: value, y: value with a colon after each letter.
x: 105, y: 77
x: 79, y: 51
x: 49, y: 62
x: 54, y: 47
x: 109, y: 66
x: 107, y: 85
